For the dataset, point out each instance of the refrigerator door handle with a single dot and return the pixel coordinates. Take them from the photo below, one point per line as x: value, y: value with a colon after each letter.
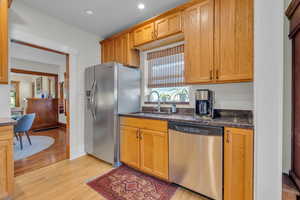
x: 93, y: 105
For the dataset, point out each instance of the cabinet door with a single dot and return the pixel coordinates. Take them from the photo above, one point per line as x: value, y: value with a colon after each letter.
x: 107, y: 51
x: 168, y: 25
x: 4, y: 41
x: 133, y: 55
x: 234, y: 31
x: 199, y: 42
x: 154, y: 153
x: 104, y: 51
x: 121, y: 48
x: 144, y: 34
x: 238, y: 164
x: 130, y: 146
x: 6, y: 162
x: 111, y: 51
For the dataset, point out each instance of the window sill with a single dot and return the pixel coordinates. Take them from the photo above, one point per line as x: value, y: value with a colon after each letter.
x: 167, y: 103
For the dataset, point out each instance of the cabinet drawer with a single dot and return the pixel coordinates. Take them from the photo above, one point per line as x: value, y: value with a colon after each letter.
x: 150, y: 124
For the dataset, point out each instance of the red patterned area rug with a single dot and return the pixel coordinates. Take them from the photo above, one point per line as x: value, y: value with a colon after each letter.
x: 125, y: 183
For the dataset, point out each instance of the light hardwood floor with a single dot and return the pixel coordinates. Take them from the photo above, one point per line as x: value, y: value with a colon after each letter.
x: 66, y: 180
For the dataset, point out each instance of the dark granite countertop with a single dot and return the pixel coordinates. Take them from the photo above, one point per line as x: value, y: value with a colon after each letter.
x: 225, y: 121
x: 7, y: 122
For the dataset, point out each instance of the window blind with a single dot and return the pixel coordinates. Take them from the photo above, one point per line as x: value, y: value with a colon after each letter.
x: 166, y: 67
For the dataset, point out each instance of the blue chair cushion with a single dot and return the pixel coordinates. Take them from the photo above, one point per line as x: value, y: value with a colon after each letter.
x: 24, y: 123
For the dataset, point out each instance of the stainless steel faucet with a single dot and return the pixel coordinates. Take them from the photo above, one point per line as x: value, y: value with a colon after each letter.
x: 158, y: 101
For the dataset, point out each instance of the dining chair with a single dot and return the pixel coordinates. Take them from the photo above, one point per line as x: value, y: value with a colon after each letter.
x: 23, y: 126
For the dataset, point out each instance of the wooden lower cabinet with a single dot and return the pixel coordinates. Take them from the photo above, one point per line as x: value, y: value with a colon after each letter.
x: 238, y: 164
x: 154, y: 153
x: 144, y: 149
x: 130, y: 146
x: 6, y: 162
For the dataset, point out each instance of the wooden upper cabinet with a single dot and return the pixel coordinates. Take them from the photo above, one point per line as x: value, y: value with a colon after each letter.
x: 125, y: 52
x: 144, y: 34
x: 168, y: 25
x: 133, y: 55
x: 4, y: 41
x: 238, y: 164
x: 130, y: 146
x: 218, y: 37
x: 121, y: 46
x: 199, y: 42
x: 107, y: 51
x: 234, y: 36
x: 121, y: 50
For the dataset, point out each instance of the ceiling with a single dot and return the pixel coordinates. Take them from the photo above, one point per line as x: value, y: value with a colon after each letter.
x: 36, y: 55
x: 110, y: 16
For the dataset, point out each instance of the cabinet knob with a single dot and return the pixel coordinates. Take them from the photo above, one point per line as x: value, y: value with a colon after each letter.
x: 227, y: 136
x: 217, y: 74
x: 211, y: 74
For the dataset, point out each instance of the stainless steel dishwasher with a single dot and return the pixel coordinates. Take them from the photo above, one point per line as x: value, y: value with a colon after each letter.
x: 196, y: 158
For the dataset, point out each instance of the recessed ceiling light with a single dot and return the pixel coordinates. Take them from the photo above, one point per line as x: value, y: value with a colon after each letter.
x: 89, y: 12
x: 141, y: 6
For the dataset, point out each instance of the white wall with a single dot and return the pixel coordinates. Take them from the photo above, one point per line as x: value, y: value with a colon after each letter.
x: 34, y: 54
x: 29, y: 24
x: 4, y: 101
x: 236, y: 96
x: 287, y: 101
x: 34, y: 66
x: 268, y: 98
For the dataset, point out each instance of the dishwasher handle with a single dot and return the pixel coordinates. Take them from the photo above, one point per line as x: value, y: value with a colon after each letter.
x: 196, y: 129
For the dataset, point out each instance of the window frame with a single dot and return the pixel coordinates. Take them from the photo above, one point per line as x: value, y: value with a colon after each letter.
x: 16, y: 85
x: 145, y: 89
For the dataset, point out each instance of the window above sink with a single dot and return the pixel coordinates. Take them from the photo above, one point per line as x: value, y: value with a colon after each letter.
x: 169, y: 95
x: 164, y: 73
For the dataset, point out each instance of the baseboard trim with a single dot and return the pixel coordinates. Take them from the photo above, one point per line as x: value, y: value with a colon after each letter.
x: 77, y: 155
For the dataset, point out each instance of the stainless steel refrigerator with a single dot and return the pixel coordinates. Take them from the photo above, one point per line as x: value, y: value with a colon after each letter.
x: 110, y: 89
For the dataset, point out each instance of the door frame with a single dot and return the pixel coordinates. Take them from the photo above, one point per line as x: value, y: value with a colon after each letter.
x: 66, y: 80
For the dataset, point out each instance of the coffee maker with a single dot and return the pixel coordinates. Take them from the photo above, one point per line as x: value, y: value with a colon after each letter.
x: 204, y: 103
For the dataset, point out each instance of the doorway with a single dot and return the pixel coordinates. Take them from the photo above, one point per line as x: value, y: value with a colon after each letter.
x: 60, y: 148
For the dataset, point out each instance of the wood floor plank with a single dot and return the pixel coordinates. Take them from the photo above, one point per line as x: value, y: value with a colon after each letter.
x: 55, y: 153
x: 66, y: 180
